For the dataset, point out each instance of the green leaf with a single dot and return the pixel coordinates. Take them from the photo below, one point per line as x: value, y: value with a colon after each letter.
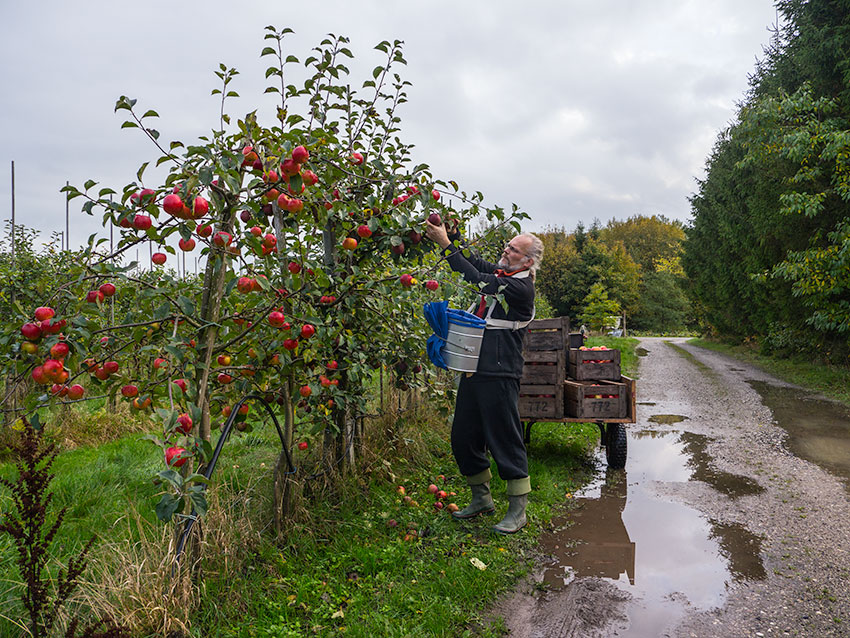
x: 129, y: 124
x: 141, y: 170
x: 167, y: 507
x: 89, y: 183
x: 272, y: 89
x: 199, y: 502
x: 268, y: 51
x: 172, y: 477
x: 150, y: 113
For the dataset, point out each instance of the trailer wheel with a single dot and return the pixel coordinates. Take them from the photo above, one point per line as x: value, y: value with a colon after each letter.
x: 616, y: 447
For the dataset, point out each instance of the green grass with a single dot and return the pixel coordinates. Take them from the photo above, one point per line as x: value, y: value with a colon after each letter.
x: 341, y: 570
x: 350, y: 572
x: 833, y: 381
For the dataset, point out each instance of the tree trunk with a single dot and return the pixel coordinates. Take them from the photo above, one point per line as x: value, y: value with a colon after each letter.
x: 214, y: 276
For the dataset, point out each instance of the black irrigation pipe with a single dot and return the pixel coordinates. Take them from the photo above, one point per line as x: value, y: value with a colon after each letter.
x: 207, y: 473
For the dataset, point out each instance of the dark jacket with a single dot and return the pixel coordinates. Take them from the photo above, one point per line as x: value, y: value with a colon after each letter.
x: 501, y: 350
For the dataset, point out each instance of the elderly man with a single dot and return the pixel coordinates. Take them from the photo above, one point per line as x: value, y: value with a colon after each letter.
x: 486, y: 413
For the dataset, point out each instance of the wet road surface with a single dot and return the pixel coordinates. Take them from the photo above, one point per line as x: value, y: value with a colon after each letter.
x: 730, y: 519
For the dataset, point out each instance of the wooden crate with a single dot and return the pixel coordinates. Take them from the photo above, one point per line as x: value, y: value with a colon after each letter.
x: 580, y: 399
x: 541, y: 389
x: 548, y: 334
x: 544, y: 367
x: 541, y: 402
x: 576, y: 340
x: 591, y: 365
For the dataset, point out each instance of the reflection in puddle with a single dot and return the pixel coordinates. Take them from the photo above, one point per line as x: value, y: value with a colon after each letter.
x: 818, y: 429
x: 641, y: 352
x: 646, y: 402
x: 666, y: 554
x: 666, y: 419
x: 732, y: 485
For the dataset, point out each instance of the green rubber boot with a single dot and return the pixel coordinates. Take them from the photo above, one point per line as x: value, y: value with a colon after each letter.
x: 482, y: 501
x: 515, y: 519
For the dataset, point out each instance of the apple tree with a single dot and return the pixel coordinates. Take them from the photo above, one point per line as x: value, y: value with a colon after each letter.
x: 311, y: 232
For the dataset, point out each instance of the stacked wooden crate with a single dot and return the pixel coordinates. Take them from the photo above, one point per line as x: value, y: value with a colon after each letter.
x: 561, y: 381
x: 541, y: 390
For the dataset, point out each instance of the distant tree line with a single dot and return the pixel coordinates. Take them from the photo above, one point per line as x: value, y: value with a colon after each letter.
x: 768, y: 251
x: 630, y: 267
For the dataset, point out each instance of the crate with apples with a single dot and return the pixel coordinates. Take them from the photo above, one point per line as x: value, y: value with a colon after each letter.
x: 594, y: 363
x: 594, y: 400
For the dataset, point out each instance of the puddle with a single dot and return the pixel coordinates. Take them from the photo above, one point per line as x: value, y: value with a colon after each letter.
x: 666, y: 419
x: 667, y: 555
x: 641, y: 352
x: 646, y: 402
x: 818, y: 429
x: 732, y: 485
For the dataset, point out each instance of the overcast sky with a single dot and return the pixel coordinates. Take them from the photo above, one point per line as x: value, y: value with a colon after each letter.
x: 573, y: 110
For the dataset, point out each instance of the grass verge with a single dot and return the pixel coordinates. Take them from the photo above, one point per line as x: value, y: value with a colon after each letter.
x: 832, y: 381
x: 342, y: 568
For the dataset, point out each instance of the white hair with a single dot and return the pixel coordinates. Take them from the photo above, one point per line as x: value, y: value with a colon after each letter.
x: 534, y: 252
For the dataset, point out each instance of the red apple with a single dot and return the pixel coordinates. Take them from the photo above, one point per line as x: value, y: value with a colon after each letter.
x: 307, y: 331
x: 130, y: 391
x: 434, y: 218
x: 222, y: 239
x: 309, y: 178
x: 200, y: 207
x: 363, y: 231
x: 276, y: 319
x: 38, y: 375
x: 111, y: 367
x: 180, y: 383
x: 142, y: 222
x: 406, y: 280
x: 332, y: 365
x: 174, y: 456
x: 300, y: 155
x: 173, y: 205
x: 397, y: 250
x: 224, y: 359
x: 184, y: 423
x: 186, y: 245
x: 245, y: 285
x: 76, y: 392
x: 433, y: 488
x: 31, y: 331
x: 256, y: 231
x: 303, y: 445
x: 107, y: 289
x: 44, y: 313
x: 432, y: 285
x: 305, y: 391
x: 29, y: 347
x: 59, y: 350
x: 290, y: 344
x: 349, y: 243
x: 356, y: 158
x: 224, y: 378
x: 204, y: 230
x: 290, y: 168
x: 294, y: 267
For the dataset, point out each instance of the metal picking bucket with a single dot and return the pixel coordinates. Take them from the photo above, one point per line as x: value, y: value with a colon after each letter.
x: 463, y: 343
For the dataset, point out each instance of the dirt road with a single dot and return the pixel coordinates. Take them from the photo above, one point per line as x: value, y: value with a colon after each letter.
x: 732, y: 517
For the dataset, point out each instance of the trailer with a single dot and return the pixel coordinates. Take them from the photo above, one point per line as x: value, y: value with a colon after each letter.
x: 565, y: 384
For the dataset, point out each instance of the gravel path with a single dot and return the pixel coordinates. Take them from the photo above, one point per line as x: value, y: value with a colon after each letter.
x: 800, y: 517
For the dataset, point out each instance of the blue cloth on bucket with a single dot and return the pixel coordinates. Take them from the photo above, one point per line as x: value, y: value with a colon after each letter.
x: 435, y: 314
x: 439, y: 315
